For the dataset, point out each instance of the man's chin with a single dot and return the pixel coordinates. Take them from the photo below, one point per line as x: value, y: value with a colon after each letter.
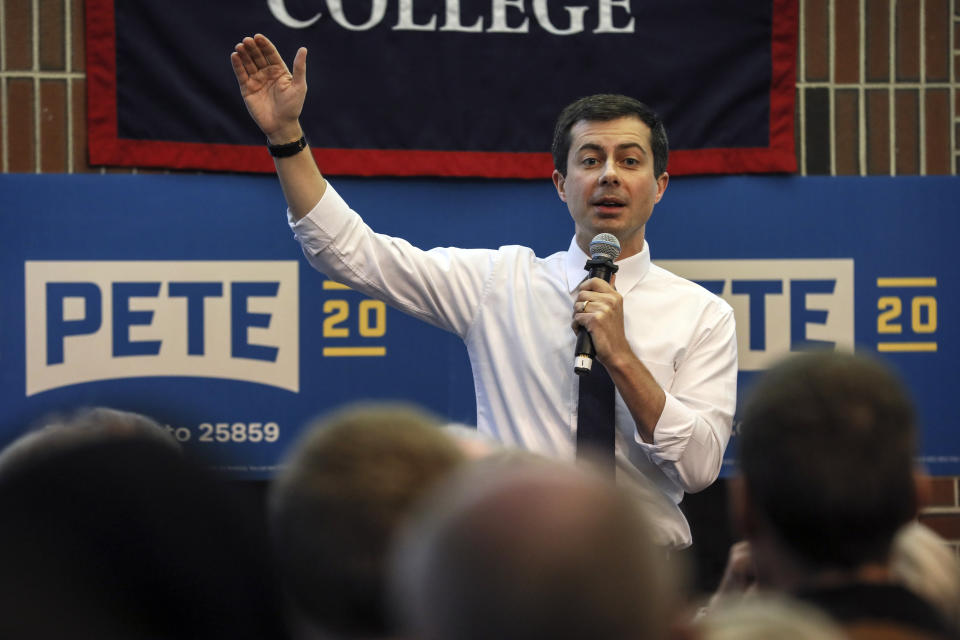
x: 607, y: 225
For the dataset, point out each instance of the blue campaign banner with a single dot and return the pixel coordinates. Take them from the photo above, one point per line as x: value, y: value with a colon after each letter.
x: 442, y: 87
x: 186, y: 297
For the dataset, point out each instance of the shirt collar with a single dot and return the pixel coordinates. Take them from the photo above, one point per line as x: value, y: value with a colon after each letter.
x: 631, y: 270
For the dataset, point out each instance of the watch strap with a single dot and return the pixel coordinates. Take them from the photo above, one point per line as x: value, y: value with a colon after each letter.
x: 288, y: 149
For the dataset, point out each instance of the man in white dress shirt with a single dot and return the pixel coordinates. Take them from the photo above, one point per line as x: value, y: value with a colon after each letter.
x: 668, y: 344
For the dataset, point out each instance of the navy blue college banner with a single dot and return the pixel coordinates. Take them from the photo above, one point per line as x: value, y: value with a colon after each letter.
x: 187, y: 298
x: 442, y: 87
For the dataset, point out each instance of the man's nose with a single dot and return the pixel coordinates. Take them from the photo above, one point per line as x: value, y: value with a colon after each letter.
x: 609, y: 174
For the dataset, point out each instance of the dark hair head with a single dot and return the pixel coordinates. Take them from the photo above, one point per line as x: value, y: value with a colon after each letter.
x: 826, y: 448
x: 350, y: 482
x: 602, y: 107
x: 125, y: 538
x: 63, y: 431
x: 531, y: 549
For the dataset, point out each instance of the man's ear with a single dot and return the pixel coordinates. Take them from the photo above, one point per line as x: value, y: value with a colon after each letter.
x: 743, y: 517
x: 662, y: 183
x: 558, y: 182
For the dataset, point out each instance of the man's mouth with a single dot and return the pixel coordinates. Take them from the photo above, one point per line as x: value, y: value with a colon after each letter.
x: 608, y: 204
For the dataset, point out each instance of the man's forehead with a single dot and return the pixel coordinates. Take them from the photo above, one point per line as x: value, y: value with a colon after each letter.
x: 624, y: 130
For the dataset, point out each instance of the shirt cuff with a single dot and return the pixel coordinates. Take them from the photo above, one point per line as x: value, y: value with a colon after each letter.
x: 672, y: 433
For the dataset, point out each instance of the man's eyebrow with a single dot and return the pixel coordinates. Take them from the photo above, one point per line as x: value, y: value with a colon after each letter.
x: 589, y: 146
x: 592, y: 146
x: 632, y: 145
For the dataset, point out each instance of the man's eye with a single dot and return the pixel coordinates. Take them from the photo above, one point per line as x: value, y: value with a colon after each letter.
x: 631, y: 162
x: 589, y: 161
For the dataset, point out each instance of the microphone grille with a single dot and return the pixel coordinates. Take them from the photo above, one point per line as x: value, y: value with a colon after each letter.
x: 604, y: 245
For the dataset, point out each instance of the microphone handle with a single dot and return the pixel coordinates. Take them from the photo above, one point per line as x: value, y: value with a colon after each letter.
x: 585, y: 351
x: 603, y: 269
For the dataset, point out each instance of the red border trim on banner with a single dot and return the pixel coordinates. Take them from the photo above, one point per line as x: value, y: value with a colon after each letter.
x: 102, y: 142
x: 106, y: 148
x: 780, y: 155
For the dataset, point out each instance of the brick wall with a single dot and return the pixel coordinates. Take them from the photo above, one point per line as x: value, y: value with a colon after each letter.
x: 877, y: 94
x: 943, y: 511
x: 42, y: 87
x: 877, y: 90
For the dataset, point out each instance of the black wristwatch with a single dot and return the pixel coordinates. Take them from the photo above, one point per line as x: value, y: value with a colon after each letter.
x: 288, y: 149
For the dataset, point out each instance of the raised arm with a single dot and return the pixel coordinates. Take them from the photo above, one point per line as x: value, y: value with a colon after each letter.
x: 274, y: 99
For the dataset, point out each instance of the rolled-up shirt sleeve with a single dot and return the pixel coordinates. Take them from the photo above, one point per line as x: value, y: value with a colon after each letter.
x: 694, y: 428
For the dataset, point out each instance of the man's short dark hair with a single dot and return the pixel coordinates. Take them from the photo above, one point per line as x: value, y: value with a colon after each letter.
x: 602, y: 107
x: 826, y: 448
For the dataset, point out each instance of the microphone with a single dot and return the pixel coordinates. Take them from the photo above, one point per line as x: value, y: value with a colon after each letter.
x: 604, y: 249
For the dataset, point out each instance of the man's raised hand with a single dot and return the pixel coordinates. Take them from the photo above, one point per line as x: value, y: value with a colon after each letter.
x: 274, y: 97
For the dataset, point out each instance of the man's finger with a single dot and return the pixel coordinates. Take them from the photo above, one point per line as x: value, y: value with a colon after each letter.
x: 238, y: 69
x: 300, y: 67
x: 269, y: 51
x: 245, y: 60
x: 596, y: 284
x: 253, y: 50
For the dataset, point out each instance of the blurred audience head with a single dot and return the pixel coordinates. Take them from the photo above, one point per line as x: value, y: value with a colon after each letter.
x: 765, y: 617
x: 107, y: 531
x: 346, y: 486
x: 827, y: 460
x: 474, y: 444
x: 527, y: 550
x: 57, y: 432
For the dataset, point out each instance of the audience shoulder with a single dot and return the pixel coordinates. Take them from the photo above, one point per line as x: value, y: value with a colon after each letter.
x: 924, y: 562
